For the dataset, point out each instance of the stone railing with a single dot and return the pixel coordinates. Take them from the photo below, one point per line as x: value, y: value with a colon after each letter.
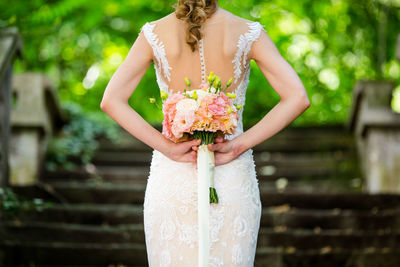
x: 10, y: 47
x: 398, y: 48
x: 377, y: 130
x: 34, y: 119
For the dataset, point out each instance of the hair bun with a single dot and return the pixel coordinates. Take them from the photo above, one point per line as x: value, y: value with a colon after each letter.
x: 194, y: 13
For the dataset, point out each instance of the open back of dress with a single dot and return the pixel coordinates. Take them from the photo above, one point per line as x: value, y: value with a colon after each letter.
x: 224, y: 49
x: 170, y: 204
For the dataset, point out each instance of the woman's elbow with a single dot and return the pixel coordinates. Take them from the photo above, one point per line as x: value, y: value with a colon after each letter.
x: 303, y: 101
x: 306, y: 102
x: 103, y: 105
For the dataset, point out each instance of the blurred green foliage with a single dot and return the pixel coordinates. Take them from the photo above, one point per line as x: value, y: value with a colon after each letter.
x: 12, y: 204
x: 78, y: 140
x: 330, y: 43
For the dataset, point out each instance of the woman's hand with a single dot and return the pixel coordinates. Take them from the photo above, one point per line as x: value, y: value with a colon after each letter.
x: 224, y: 150
x: 183, y: 151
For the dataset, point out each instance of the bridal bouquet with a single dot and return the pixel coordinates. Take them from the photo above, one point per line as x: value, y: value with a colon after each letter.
x: 204, y: 113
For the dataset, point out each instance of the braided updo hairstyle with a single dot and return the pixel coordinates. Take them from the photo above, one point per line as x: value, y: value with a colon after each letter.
x: 194, y: 13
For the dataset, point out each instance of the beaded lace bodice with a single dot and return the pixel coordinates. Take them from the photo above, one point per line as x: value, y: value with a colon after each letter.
x: 170, y: 204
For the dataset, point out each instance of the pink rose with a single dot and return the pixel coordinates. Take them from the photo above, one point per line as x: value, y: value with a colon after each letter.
x: 182, y: 122
x: 218, y: 107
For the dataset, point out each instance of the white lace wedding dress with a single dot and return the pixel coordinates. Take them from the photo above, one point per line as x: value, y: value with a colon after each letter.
x: 170, y: 204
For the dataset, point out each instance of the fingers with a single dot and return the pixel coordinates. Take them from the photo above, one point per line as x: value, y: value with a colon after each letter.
x: 190, y: 157
x: 217, y: 147
x: 219, y: 140
x: 196, y: 142
x: 195, y: 148
x: 190, y: 144
x: 193, y: 156
x: 218, y: 160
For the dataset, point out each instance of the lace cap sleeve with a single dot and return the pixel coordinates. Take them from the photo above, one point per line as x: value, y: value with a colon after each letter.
x: 254, y: 34
x: 244, y: 46
x: 158, y: 48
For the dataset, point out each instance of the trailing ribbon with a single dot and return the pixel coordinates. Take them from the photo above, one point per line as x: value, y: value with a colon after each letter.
x: 205, y: 175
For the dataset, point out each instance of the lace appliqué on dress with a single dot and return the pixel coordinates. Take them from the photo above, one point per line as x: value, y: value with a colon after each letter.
x: 244, y: 44
x: 240, y: 62
x: 159, y: 54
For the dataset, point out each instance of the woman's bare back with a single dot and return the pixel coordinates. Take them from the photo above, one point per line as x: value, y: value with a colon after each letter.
x: 226, y: 43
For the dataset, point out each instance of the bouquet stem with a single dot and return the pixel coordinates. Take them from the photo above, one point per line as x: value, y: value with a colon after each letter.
x: 206, y: 161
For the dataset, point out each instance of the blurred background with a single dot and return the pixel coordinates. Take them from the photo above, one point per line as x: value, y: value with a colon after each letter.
x: 72, y: 181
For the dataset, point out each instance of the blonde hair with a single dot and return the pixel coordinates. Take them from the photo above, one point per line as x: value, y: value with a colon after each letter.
x: 194, y: 13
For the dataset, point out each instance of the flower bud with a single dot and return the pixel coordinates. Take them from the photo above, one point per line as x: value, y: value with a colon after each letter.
x: 210, y: 80
x: 187, y: 81
x: 230, y: 95
x: 229, y: 82
x: 152, y: 100
x: 164, y: 95
x: 217, y: 82
x: 211, y: 77
x: 194, y: 95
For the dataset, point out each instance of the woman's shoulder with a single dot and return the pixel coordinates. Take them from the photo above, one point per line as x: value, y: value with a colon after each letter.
x: 231, y: 19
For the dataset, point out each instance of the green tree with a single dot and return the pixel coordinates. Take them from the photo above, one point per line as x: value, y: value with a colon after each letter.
x: 330, y: 43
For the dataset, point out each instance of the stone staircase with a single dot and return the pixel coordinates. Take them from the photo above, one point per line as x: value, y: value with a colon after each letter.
x: 314, y: 213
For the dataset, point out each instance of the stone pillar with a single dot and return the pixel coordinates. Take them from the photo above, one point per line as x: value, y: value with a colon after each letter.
x: 34, y: 118
x: 377, y: 131
x: 10, y: 47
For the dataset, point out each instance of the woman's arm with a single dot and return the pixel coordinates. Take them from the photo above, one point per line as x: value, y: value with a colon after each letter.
x: 115, y: 103
x: 294, y: 101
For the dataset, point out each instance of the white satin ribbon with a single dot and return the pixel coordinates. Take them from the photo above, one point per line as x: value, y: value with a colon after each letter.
x: 205, y: 172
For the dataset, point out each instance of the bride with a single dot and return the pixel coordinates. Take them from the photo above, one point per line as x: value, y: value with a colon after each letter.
x: 197, y: 38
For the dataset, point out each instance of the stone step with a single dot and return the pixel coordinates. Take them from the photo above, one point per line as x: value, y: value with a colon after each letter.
x: 308, y: 239
x: 291, y: 139
x: 294, y: 167
x: 81, y: 254
x: 278, y: 217
x: 139, y: 174
x: 72, y: 254
x: 318, y: 200
x: 140, y: 158
x: 66, y: 232
x: 81, y: 192
x: 284, y: 217
x: 127, y: 176
x: 327, y: 257
x: 134, y: 233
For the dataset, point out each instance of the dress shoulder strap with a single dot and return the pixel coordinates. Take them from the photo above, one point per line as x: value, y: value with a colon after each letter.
x: 244, y: 45
x: 158, y: 48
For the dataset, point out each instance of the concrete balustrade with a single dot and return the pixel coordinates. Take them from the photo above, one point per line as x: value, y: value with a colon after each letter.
x: 10, y: 48
x: 377, y: 130
x: 35, y: 117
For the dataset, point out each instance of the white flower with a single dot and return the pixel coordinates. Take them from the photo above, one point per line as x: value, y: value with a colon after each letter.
x: 200, y: 95
x: 187, y: 104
